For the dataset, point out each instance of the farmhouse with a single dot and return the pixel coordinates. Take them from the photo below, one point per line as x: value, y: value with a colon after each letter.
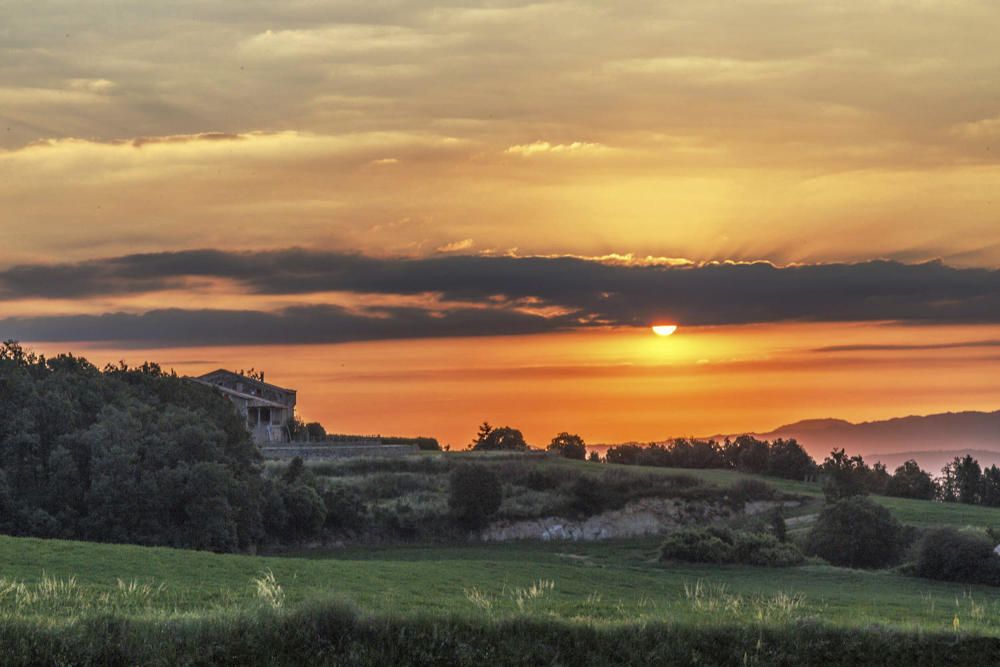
x: 267, y: 408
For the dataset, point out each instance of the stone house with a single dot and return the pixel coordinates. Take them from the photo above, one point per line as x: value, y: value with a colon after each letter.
x: 267, y: 408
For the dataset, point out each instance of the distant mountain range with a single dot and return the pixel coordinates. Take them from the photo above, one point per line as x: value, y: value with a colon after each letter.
x: 941, y: 433
x: 932, y: 440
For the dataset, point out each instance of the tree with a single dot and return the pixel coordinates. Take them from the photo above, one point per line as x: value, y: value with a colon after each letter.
x: 789, y: 460
x: 877, y: 478
x: 753, y: 454
x: 909, y: 481
x: 504, y: 438
x: 124, y: 454
x: 968, y: 479
x: 594, y: 457
x: 306, y: 512
x: 856, y: 532
x: 474, y: 495
x: 316, y: 432
x: 570, y: 446
x: 990, y: 493
x: 845, y: 476
x: 484, y: 432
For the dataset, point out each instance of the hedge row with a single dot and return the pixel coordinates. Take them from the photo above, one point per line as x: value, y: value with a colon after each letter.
x: 326, y: 633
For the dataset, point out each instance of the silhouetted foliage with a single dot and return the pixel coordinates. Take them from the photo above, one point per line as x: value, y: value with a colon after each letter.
x: 505, y: 439
x: 474, y: 495
x: 844, y: 476
x: 782, y: 458
x: 315, y: 431
x: 856, y: 532
x: 962, y: 480
x: 909, y: 481
x: 568, y: 445
x: 953, y: 555
x: 128, y: 455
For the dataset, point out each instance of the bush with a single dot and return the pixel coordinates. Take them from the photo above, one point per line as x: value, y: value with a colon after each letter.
x: 725, y: 546
x: 697, y: 545
x: 951, y: 555
x: 474, y: 495
x: 540, y: 480
x: 306, y: 512
x: 345, y: 511
x: 752, y: 489
x: 856, y: 532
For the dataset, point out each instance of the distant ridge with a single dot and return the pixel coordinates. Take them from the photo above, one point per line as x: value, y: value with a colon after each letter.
x: 933, y: 461
x: 947, y: 431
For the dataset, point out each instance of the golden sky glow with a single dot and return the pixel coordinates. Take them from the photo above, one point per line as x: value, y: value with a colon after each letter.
x: 637, y: 133
x: 617, y: 386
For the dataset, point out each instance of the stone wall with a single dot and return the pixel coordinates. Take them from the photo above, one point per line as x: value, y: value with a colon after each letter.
x: 337, y: 451
x: 648, y: 516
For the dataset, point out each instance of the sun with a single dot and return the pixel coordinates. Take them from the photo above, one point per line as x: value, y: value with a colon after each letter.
x: 664, y: 329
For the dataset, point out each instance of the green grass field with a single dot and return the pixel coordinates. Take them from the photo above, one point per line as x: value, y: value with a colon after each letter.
x: 604, y: 584
x: 599, y: 582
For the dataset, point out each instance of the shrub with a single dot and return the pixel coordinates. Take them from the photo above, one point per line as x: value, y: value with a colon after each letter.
x: 951, y: 555
x: 592, y: 496
x: 474, y: 495
x: 306, y: 512
x: 345, y: 511
x: 697, y: 545
x: 751, y: 489
x: 856, y: 532
x: 777, y: 523
x: 722, y: 545
x: 540, y: 480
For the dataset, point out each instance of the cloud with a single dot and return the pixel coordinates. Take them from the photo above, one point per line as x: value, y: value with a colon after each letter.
x: 544, y: 147
x: 510, y: 295
x: 339, y: 40
x: 296, y: 325
x: 988, y: 128
x: 456, y: 246
x: 887, y: 347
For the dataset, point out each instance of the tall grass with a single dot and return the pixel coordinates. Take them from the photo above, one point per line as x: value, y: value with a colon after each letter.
x: 333, y: 633
x: 51, y: 596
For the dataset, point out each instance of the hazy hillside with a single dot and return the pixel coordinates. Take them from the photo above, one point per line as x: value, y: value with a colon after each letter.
x: 933, y: 461
x: 932, y: 440
x: 946, y: 432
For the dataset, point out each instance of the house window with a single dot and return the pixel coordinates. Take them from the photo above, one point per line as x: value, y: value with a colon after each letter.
x: 265, y: 415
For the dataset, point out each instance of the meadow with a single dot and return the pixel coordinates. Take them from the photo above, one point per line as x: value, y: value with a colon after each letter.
x: 462, y: 589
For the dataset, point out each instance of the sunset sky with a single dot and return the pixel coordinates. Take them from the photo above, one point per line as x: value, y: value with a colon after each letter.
x: 423, y: 216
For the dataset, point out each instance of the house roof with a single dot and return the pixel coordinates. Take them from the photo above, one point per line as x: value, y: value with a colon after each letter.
x: 244, y: 378
x: 252, y: 399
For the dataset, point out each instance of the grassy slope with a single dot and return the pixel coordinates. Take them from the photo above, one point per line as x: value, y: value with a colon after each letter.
x: 603, y: 582
x: 612, y: 581
x: 914, y: 512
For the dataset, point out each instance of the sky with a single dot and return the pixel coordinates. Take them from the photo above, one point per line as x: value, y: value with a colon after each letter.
x: 424, y: 215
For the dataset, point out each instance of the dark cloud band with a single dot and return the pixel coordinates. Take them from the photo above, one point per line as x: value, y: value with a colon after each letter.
x: 586, y: 292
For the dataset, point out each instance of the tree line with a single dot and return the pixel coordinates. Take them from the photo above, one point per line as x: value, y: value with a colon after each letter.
x: 963, y: 480
x: 135, y: 454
